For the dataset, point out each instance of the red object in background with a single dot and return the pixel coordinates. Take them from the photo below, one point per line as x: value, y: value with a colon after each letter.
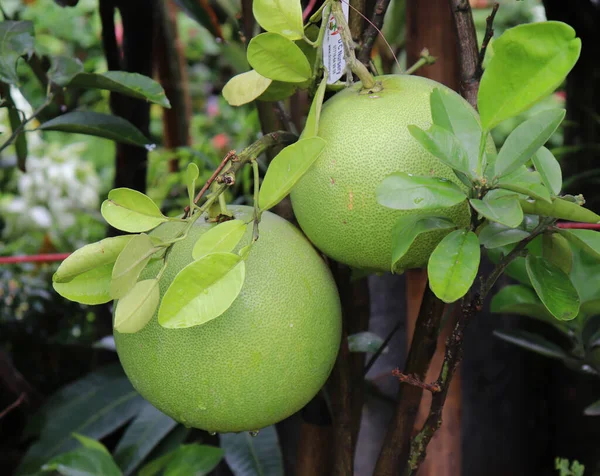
x: 220, y: 142
x: 45, y: 258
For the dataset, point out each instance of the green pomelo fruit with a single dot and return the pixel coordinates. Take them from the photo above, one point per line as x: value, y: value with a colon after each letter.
x: 260, y: 361
x: 367, y: 139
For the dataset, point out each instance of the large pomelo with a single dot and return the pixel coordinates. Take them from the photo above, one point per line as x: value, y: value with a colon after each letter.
x: 260, y: 361
x: 367, y: 139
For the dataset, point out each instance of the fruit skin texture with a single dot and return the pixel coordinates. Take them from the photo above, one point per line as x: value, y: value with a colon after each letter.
x: 367, y: 139
x: 260, y: 361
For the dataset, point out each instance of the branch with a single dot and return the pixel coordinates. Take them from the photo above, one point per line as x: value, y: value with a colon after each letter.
x: 374, y: 29
x: 489, y: 34
x: 412, y: 380
x: 13, y: 405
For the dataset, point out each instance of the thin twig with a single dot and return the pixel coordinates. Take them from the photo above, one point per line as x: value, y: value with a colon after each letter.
x: 21, y: 128
x: 384, y: 344
x: 412, y: 380
x: 285, y: 118
x: 425, y: 59
x: 489, y: 34
x: 374, y: 29
x: 13, y: 405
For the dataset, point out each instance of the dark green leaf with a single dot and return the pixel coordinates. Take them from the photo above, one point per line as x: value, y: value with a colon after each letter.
x: 21, y: 140
x: 526, y: 182
x: 593, y: 409
x: 245, y: 88
x: 445, y: 146
x: 553, y: 287
x: 148, y: 428
x: 253, y: 456
x: 494, y: 234
x: 203, y: 13
x: 453, y: 265
x: 587, y: 240
x: 275, y: 57
x: 533, y: 342
x: 64, y: 69
x: 168, y: 444
x: 83, y: 462
x: 520, y: 300
x: 406, y: 230
x: 526, y: 139
x: 530, y: 61
x: 549, y: 169
x: 454, y: 114
x: 129, y: 84
x: 195, y: 459
x: 99, y: 125
x: 95, y: 406
x: 556, y: 249
x: 278, y: 91
x: 504, y: 210
x: 16, y: 40
x: 364, y: 342
x: 403, y: 191
x: 560, y: 208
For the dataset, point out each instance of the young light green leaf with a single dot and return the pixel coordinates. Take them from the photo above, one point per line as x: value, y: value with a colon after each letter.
x: 245, y: 87
x: 137, y: 307
x: 311, y: 128
x: 16, y: 40
x: 549, y: 169
x: 505, y: 210
x: 521, y: 300
x: 556, y: 249
x: 526, y: 139
x: 222, y: 238
x: 91, y: 287
x: 131, y: 211
x: 587, y: 240
x: 191, y: 175
x: 90, y: 443
x: 64, y: 69
x: 287, y: 168
x: 129, y: 84
x: 553, y: 287
x: 533, y: 342
x: 130, y: 263
x: 530, y: 61
x: 445, y: 146
x: 494, y: 234
x: 456, y: 115
x: 364, y: 342
x: 407, y: 228
x: 83, y: 462
x: 275, y: 57
x: 89, y: 257
x: 453, y: 265
x: 245, y: 251
x: 97, y: 124
x: 280, y: 16
x: 526, y: 182
x: 560, y: 208
x: 202, y: 291
x: 402, y: 191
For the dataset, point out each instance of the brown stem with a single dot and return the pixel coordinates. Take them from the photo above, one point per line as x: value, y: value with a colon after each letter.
x: 13, y: 405
x: 489, y: 34
x: 355, y: 19
x: 371, y: 32
x: 412, y: 380
x: 397, y: 441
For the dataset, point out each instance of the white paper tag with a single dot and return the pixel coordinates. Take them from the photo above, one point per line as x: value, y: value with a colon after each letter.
x: 333, y: 47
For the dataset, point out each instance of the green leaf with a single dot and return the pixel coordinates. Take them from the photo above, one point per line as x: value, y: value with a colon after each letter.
x: 402, y: 191
x: 311, y: 128
x: 526, y: 139
x: 191, y: 175
x: 90, y: 443
x: 287, y: 168
x: 454, y: 114
x: 505, y: 210
x: 494, y: 234
x: 99, y: 125
x: 245, y: 87
x: 91, y: 287
x: 258, y: 455
x: 556, y: 249
x: 275, y: 57
x: 20, y: 143
x: 83, y: 462
x: 453, y: 265
x: 202, y: 291
x: 130, y: 263
x: 195, y: 459
x: 445, y: 146
x: 128, y: 84
x: 533, y: 342
x: 222, y: 238
x: 280, y: 16
x: 16, y: 40
x: 137, y: 307
x: 64, y: 69
x: 549, y: 169
x: 131, y: 211
x: 278, y: 91
x: 89, y: 257
x: 553, y: 287
x: 95, y: 406
x: 587, y: 240
x: 364, y: 342
x: 530, y: 61
x: 521, y: 300
x: 560, y: 208
x: 407, y: 228
x: 146, y: 431
x: 526, y: 182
